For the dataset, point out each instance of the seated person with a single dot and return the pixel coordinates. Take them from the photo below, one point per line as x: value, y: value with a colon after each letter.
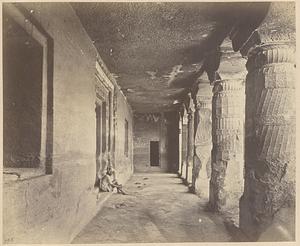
x: 108, y: 182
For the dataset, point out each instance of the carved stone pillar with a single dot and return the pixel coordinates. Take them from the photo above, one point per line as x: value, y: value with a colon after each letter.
x: 190, y: 142
x: 184, y: 144
x: 180, y: 123
x: 226, y: 70
x: 203, y: 141
x: 269, y: 139
x: 226, y: 183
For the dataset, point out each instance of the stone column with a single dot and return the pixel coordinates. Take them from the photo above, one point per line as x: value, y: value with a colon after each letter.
x: 269, y: 140
x: 226, y: 183
x: 184, y: 144
x: 180, y: 144
x: 203, y: 141
x: 190, y: 142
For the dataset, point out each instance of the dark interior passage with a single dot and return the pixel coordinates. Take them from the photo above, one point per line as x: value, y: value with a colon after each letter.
x: 154, y: 153
x: 22, y: 101
x: 155, y: 142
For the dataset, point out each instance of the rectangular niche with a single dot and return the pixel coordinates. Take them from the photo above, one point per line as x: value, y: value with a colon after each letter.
x: 27, y: 93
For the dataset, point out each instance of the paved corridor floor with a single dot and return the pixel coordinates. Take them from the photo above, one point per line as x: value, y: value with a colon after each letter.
x: 158, y: 208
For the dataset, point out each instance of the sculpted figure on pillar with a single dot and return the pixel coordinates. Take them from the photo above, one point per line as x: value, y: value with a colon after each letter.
x: 184, y: 143
x: 190, y: 140
x: 203, y: 141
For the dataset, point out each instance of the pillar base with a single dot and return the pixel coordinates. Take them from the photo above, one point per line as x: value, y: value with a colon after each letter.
x: 227, y: 189
x: 259, y: 222
x: 202, y: 185
x: 183, y: 173
x: 189, y: 175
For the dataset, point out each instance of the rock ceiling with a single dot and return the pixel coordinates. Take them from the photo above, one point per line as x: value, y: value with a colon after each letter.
x: 155, y: 50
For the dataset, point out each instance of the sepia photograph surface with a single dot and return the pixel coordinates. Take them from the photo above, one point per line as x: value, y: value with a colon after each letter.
x: 148, y: 122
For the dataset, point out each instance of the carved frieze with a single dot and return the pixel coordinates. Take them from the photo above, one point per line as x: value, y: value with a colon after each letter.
x: 149, y: 117
x: 101, y: 91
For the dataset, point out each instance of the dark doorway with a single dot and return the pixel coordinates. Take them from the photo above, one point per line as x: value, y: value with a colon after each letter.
x: 154, y: 153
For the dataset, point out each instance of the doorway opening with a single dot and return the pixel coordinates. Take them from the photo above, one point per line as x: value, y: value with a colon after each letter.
x: 154, y: 153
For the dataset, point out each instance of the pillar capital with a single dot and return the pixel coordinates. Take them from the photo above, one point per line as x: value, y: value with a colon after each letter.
x: 277, y: 26
x: 264, y: 23
x: 203, y: 101
x: 269, y: 53
x: 228, y: 85
x: 211, y: 64
x: 232, y: 64
x: 181, y: 111
x: 203, y: 97
x: 185, y: 117
x: 224, y: 63
x: 190, y: 107
x: 258, y: 38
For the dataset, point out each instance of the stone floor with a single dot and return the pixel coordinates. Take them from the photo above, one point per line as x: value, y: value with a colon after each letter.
x: 158, y: 208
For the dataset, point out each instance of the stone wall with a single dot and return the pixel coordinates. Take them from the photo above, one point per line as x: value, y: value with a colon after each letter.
x: 123, y: 163
x: 155, y: 127
x: 53, y: 208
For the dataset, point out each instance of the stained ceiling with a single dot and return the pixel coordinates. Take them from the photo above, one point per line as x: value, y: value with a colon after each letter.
x: 155, y: 50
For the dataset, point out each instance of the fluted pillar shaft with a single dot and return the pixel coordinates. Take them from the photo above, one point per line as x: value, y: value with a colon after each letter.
x: 180, y: 145
x: 226, y: 183
x: 190, y: 146
x: 269, y: 138
x: 184, y: 145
